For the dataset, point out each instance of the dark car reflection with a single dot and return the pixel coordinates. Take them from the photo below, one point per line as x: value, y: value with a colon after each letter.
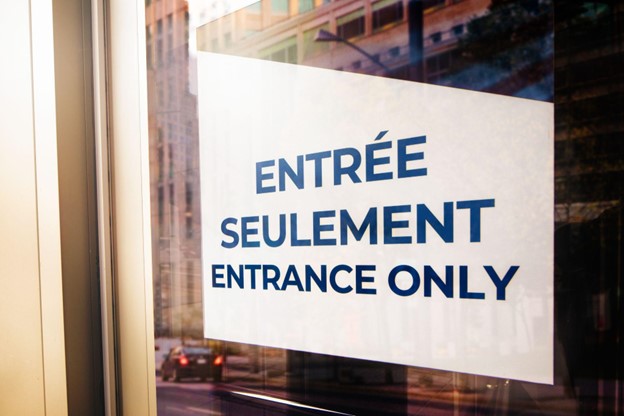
x: 191, y: 362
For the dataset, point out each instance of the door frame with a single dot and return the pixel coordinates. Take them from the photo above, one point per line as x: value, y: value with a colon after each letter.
x: 122, y: 165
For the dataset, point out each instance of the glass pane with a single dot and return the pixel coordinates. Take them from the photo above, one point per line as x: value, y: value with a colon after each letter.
x: 566, y: 53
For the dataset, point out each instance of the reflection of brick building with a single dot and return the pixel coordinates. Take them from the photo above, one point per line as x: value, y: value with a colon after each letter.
x: 174, y: 180
x: 280, y: 30
x: 284, y: 31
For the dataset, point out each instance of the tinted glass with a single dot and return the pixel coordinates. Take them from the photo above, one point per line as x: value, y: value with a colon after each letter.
x: 567, y: 53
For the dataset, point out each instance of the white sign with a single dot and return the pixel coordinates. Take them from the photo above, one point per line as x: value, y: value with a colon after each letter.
x: 379, y: 219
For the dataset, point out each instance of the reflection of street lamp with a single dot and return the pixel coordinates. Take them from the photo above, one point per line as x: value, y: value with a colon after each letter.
x: 325, y: 36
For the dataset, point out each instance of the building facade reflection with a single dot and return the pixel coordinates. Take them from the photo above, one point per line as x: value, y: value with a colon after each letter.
x: 566, y: 52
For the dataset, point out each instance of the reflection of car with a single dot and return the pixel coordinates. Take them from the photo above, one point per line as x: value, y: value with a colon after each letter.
x: 186, y: 362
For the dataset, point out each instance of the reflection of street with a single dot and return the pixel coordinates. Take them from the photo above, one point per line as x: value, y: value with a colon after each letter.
x: 186, y: 398
x: 193, y: 398
x: 261, y: 381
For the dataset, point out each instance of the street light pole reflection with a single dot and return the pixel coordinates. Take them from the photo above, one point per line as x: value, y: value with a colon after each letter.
x: 325, y: 36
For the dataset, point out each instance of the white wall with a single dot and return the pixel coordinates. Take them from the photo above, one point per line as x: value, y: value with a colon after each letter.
x: 131, y: 206
x: 32, y: 354
x: 37, y: 124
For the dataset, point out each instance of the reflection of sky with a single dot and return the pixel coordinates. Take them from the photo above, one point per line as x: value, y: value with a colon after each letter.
x: 205, y: 11
x: 541, y: 90
x: 200, y: 13
x: 479, y: 76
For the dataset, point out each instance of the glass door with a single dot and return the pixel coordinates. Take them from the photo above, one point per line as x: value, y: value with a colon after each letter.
x: 242, y: 101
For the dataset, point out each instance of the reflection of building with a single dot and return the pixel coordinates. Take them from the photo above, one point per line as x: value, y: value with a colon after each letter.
x: 284, y: 31
x: 588, y: 71
x: 173, y: 172
x: 589, y: 190
x: 510, y: 57
x: 280, y: 30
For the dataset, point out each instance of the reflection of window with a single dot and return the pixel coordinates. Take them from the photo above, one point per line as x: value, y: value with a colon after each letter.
x: 427, y: 4
x: 170, y: 159
x: 312, y: 48
x: 190, y: 281
x: 171, y: 194
x: 436, y: 37
x: 386, y: 12
x: 165, y: 283
x: 161, y: 161
x: 172, y: 211
x: 458, y: 30
x: 171, y: 278
x: 159, y: 42
x: 171, y: 90
x: 305, y: 5
x: 149, y: 41
x: 394, y: 52
x: 159, y: 52
x: 189, y: 151
x: 189, y: 225
x: 186, y: 25
x: 438, y: 65
x: 169, y: 38
x: 279, y: 6
x: 284, y: 51
x: 254, y: 8
x: 279, y: 56
x: 351, y: 25
x: 250, y: 32
x: 161, y: 209
x: 188, y: 198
